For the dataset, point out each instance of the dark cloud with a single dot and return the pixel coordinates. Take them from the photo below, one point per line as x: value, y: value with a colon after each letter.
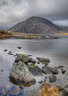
x: 13, y: 11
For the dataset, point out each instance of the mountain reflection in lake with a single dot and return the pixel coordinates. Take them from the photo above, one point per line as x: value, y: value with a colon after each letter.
x: 55, y: 49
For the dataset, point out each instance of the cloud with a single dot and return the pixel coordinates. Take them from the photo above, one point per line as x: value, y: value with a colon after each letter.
x: 13, y: 11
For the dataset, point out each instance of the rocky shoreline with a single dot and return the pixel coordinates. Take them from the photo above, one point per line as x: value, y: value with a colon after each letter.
x: 23, y: 60
x: 25, y: 69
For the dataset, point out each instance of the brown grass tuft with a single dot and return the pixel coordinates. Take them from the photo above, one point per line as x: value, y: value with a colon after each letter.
x: 46, y: 91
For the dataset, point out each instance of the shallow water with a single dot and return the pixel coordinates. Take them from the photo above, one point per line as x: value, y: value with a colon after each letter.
x: 55, y: 49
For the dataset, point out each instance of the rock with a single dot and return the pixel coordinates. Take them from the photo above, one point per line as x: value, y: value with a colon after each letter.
x: 36, y: 71
x: 25, y: 59
x: 29, y: 55
x: 31, y: 60
x: 18, y: 58
x: 61, y: 88
x: 19, y: 47
x: 22, y: 57
x: 38, y: 62
x: 65, y: 92
x: 10, y: 53
x: 45, y: 80
x: 63, y: 70
x: 43, y: 60
x: 48, y: 70
x: 40, y: 81
x: 34, y: 61
x: 52, y: 78
x: 5, y: 50
x: 20, y: 74
x: 60, y: 66
x: 2, y: 70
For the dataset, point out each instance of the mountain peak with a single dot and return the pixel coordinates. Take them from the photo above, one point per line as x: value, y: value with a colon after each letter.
x: 35, y: 25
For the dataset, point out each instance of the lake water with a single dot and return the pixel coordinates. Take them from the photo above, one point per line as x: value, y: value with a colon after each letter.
x: 55, y: 49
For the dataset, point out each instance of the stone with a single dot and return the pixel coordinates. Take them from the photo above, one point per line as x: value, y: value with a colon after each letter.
x: 65, y: 92
x: 61, y: 88
x: 40, y: 81
x: 36, y: 71
x: 18, y: 58
x: 2, y: 70
x: 31, y: 60
x: 43, y: 60
x: 52, y: 78
x: 5, y: 50
x: 22, y: 57
x: 19, y: 47
x: 48, y: 70
x: 20, y: 74
x: 63, y: 70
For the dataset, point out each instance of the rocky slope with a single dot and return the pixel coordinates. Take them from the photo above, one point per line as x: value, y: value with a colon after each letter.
x: 35, y: 25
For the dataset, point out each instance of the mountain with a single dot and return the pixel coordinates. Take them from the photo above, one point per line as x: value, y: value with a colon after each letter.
x: 35, y: 25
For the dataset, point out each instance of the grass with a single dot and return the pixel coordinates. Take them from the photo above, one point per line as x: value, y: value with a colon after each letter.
x: 46, y: 91
x: 64, y: 34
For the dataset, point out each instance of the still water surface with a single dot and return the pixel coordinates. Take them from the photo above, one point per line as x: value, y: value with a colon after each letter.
x: 55, y: 49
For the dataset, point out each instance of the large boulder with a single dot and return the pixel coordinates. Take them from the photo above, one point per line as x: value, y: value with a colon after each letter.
x: 20, y: 74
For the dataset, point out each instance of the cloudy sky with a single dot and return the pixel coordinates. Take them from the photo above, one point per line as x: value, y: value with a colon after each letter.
x: 14, y: 11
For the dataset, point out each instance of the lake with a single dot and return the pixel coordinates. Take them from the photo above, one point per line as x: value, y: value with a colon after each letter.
x: 55, y: 49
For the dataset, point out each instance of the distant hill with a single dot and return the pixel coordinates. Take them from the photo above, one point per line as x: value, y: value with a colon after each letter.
x: 35, y: 25
x: 63, y: 28
x: 4, y: 27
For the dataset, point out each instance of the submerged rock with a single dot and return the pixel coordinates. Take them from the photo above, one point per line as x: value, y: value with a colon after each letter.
x: 20, y: 74
x: 19, y: 47
x: 5, y: 50
x: 48, y: 70
x: 43, y: 60
x: 10, y: 53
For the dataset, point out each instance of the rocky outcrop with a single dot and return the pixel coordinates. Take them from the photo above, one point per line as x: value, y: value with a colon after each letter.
x: 24, y: 68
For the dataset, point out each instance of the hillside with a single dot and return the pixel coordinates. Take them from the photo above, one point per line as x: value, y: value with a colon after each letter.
x: 35, y: 25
